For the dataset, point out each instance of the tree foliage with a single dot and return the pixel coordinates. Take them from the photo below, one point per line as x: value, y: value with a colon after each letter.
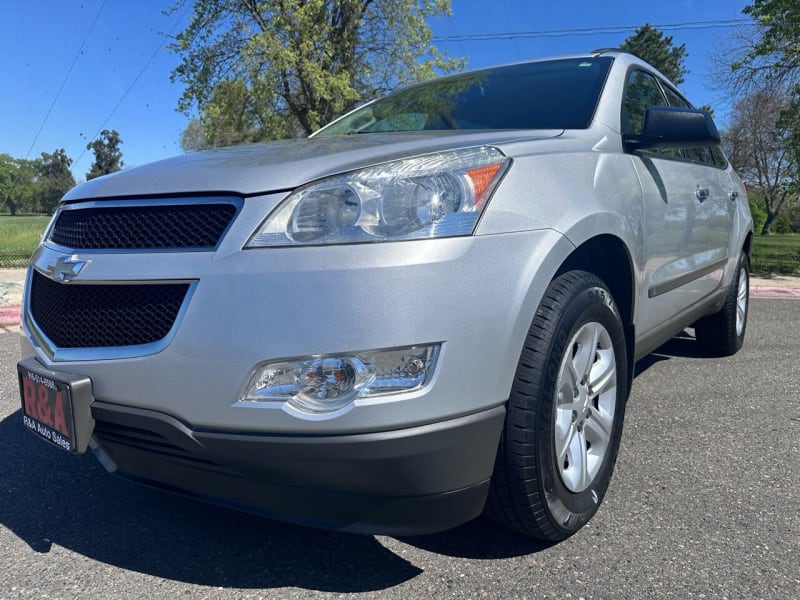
x: 107, y: 155
x: 777, y: 48
x: 770, y: 60
x: 55, y: 179
x: 283, y: 68
x: 757, y: 210
x: 652, y: 46
x: 764, y: 53
x: 34, y: 186
x: 17, y: 180
x: 758, y: 148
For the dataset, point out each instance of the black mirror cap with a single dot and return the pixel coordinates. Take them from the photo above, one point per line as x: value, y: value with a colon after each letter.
x: 670, y: 127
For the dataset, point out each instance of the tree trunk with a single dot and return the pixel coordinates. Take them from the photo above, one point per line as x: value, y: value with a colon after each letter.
x: 771, y: 216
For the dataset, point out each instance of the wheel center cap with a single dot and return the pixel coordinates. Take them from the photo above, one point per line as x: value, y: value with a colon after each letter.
x: 585, y: 400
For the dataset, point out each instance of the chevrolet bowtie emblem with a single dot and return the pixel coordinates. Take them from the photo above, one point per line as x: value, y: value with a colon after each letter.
x: 66, y: 268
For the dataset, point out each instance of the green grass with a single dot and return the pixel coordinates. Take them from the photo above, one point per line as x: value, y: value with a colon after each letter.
x: 778, y: 253
x: 18, y: 238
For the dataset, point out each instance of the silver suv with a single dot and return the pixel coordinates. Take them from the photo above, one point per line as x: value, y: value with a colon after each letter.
x: 429, y: 309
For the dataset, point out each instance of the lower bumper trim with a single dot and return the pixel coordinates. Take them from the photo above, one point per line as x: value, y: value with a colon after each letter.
x: 407, y: 482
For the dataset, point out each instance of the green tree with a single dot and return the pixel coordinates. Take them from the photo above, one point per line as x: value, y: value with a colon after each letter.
x: 234, y: 114
x: 107, y: 155
x: 8, y: 168
x: 782, y: 224
x: 758, y: 148
x: 18, y: 184
x: 652, y: 46
x: 282, y: 68
x: 771, y: 59
x: 794, y: 217
x: 776, y: 49
x: 193, y: 138
x: 55, y: 179
x: 757, y: 210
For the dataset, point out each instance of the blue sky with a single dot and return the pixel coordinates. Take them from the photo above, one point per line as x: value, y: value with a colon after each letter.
x: 74, y: 67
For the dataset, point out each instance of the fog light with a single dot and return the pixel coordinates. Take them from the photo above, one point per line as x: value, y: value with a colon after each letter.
x: 325, y: 384
x: 322, y: 384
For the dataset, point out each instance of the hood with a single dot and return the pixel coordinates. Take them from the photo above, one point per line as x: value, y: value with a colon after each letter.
x: 282, y: 165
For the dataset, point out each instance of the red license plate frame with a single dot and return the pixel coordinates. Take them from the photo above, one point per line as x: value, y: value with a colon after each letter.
x: 47, y: 407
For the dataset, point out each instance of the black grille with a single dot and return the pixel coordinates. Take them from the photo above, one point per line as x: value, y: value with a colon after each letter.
x: 99, y: 316
x: 143, y: 227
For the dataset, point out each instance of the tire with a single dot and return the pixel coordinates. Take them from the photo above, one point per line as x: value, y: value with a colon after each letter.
x: 722, y: 334
x: 553, y: 412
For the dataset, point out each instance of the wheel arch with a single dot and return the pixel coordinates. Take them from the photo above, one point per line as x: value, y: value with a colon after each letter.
x: 608, y: 257
x: 748, y: 242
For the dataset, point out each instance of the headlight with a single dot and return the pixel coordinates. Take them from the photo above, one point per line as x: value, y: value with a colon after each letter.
x: 328, y: 383
x: 435, y: 195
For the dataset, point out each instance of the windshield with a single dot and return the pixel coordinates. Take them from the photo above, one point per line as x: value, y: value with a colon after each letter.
x: 554, y: 94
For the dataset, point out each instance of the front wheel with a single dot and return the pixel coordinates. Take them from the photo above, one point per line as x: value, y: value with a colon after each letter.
x: 565, y: 413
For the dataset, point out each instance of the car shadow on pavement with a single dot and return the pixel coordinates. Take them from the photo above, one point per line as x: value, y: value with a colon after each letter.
x: 682, y: 345
x: 478, y: 539
x: 50, y: 497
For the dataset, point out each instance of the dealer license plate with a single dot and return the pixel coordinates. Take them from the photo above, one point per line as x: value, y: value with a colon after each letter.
x: 47, y: 407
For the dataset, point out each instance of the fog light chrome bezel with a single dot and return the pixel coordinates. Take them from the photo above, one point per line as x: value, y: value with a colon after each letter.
x: 336, y: 383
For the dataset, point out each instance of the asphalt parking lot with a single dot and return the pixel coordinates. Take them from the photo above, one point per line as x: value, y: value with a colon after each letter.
x: 705, y: 503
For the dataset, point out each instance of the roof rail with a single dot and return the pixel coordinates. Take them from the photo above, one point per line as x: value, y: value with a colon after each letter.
x: 604, y: 50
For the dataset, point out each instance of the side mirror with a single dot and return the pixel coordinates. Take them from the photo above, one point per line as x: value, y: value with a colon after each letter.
x: 669, y: 127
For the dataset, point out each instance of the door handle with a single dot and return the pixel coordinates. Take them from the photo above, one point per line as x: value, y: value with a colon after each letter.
x: 701, y: 193
x: 733, y: 195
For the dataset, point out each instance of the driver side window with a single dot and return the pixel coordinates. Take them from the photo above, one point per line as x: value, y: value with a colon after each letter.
x: 642, y: 90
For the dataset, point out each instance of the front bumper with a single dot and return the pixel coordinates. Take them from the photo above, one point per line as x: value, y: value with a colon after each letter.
x: 411, y: 481
x: 413, y: 462
x: 474, y: 296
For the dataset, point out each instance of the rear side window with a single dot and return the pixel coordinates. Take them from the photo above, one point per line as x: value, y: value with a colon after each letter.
x: 711, y: 155
x: 675, y: 99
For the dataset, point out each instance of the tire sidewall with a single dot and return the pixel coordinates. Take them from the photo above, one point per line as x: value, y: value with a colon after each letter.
x: 742, y: 270
x: 568, y: 510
